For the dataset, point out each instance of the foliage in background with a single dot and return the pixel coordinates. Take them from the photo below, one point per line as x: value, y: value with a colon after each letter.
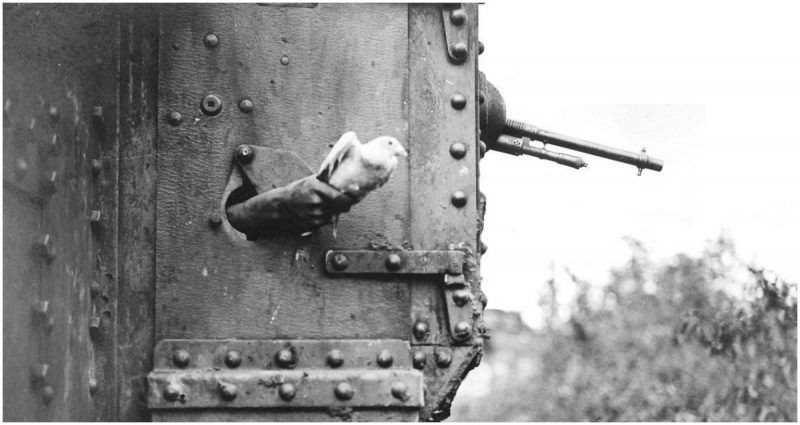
x: 696, y: 339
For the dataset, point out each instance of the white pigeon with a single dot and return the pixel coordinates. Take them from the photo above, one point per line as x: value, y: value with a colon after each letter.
x: 357, y: 169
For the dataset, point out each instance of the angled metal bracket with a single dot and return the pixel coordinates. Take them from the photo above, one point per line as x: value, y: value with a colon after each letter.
x: 456, y: 35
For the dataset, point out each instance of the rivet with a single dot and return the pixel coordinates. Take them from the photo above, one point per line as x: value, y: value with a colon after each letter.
x: 334, y: 358
x: 92, y: 386
x: 52, y: 112
x: 458, y: 101
x: 233, y: 359
x: 44, y: 247
x: 287, y: 391
x: 443, y: 358
x: 481, y: 98
x: 484, y: 248
x: 284, y: 60
x: 285, y: 358
x: 461, y: 297
x: 246, y: 106
x: 420, y: 330
x: 245, y: 154
x: 181, y: 358
x: 459, y: 50
x: 41, y: 311
x: 21, y: 167
x: 94, y: 216
x: 211, y: 40
x: 458, y: 199
x: 174, y: 118
x: 39, y: 373
x: 211, y: 105
x: 482, y: 148
x: 418, y: 360
x: 48, y: 182
x: 458, y: 150
x: 47, y: 394
x: 94, y: 289
x: 215, y: 219
x: 393, y: 262
x: 400, y: 391
x: 172, y: 392
x: 458, y: 17
x: 462, y: 331
x: 343, y: 391
x: 97, y: 114
x: 339, y: 262
x: 97, y: 166
x: 385, y: 359
x: 480, y: 47
x: 94, y: 328
x: 227, y: 391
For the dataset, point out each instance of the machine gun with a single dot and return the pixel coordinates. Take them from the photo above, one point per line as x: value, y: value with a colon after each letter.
x: 514, y: 137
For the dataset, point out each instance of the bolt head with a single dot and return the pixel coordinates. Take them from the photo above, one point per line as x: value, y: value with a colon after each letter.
x: 39, y: 372
x: 343, y: 391
x: 93, y: 386
x: 214, y: 219
x: 458, y: 17
x: 181, y: 358
x: 385, y: 359
x: 44, y: 247
x: 400, y: 391
x: 227, y: 391
x: 233, y: 359
x: 339, y: 262
x: 287, y: 391
x: 443, y: 358
x: 484, y: 248
x: 246, y: 106
x: 211, y: 40
x: 52, y: 112
x: 284, y: 60
x: 285, y: 358
x: 461, y: 297
x: 97, y: 166
x: 483, y: 148
x: 458, y: 101
x: 458, y: 199
x: 458, y: 150
x: 211, y: 105
x: 172, y: 392
x: 462, y: 331
x: 394, y: 262
x: 21, y: 167
x: 40, y: 311
x: 418, y: 359
x: 420, y: 330
x: 94, y: 328
x: 459, y: 51
x: 245, y: 154
x: 174, y: 118
x: 48, y: 182
x: 480, y: 47
x: 335, y: 358
x: 47, y: 394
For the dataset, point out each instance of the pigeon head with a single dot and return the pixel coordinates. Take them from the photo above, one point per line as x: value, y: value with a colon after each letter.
x: 390, y: 144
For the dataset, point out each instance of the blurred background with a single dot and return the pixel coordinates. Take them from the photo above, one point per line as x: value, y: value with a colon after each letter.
x: 669, y: 296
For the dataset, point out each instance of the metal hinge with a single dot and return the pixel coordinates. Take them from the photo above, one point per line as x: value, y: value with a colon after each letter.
x: 450, y: 264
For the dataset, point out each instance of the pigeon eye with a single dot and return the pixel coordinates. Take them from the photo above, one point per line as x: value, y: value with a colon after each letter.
x: 390, y: 142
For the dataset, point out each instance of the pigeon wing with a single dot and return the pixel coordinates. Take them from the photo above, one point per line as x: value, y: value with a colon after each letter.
x: 343, y: 148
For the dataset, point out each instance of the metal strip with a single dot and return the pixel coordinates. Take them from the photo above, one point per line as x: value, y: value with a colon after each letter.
x: 394, y: 262
x: 261, y: 354
x: 296, y: 388
x: 456, y: 32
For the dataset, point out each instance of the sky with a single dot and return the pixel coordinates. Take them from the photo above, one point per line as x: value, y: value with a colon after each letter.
x: 712, y: 88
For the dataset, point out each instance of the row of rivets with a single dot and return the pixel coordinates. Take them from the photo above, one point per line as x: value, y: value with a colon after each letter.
x: 286, y: 391
x: 285, y: 358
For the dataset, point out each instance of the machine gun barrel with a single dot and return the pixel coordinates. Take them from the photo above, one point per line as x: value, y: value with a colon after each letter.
x: 639, y: 160
x: 516, y: 146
